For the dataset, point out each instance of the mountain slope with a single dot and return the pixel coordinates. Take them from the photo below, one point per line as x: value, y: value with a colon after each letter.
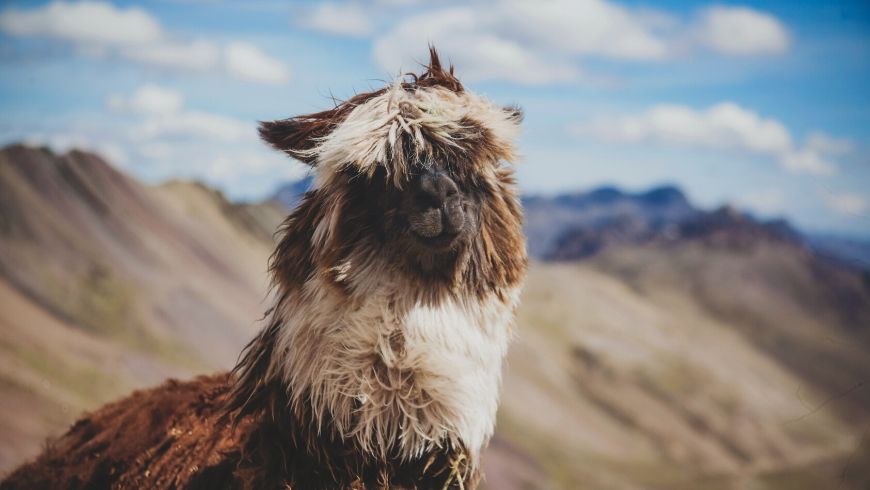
x: 623, y: 378
x: 109, y: 284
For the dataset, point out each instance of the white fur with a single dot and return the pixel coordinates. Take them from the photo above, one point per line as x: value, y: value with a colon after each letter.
x: 440, y: 389
x: 371, y: 129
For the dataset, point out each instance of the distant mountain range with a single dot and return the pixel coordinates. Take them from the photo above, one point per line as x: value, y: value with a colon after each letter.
x: 724, y: 227
x: 851, y: 250
x: 579, y: 225
x: 290, y: 193
x: 549, y: 219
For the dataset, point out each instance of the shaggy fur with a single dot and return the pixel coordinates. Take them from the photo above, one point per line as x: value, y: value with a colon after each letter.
x: 173, y: 437
x: 381, y: 361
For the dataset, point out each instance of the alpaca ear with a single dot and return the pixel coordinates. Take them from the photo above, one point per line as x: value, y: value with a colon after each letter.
x: 515, y: 114
x: 296, y: 136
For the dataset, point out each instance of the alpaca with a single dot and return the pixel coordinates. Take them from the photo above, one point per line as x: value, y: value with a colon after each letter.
x: 379, y: 366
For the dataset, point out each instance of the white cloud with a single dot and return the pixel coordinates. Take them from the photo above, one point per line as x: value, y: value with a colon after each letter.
x: 98, y: 29
x: 741, y: 31
x: 347, y: 19
x: 247, y: 62
x: 195, y: 55
x: 822, y: 143
x: 149, y: 99
x: 163, y: 116
x: 588, y: 27
x: 768, y: 201
x: 84, y: 22
x: 545, y: 42
x: 524, y: 42
x: 152, y: 134
x: 460, y: 34
x: 196, y: 124
x: 845, y: 202
x: 725, y: 126
x: 155, y: 150
x: 165, y: 139
x: 514, y: 40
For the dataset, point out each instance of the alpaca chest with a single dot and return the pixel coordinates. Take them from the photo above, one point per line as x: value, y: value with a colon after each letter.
x: 455, y: 352
x: 404, y: 379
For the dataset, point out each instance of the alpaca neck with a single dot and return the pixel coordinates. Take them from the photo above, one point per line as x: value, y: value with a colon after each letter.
x: 396, y: 377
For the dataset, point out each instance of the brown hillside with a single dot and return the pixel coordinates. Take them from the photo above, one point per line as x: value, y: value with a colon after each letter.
x: 633, y: 380
x: 108, y: 284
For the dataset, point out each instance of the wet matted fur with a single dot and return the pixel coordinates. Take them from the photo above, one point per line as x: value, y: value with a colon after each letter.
x: 380, y: 363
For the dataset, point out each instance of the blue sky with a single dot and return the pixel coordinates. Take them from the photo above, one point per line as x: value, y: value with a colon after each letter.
x: 763, y: 105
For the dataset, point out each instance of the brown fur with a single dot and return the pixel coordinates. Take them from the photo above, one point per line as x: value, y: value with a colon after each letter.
x: 160, y: 438
x: 173, y: 436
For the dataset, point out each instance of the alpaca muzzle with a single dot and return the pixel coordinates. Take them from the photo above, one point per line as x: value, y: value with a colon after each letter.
x: 437, y: 211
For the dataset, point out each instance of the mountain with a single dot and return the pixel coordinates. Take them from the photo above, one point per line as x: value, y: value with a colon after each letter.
x: 725, y: 226
x: 707, y: 350
x: 547, y: 218
x: 107, y: 284
x: 290, y: 194
x: 853, y: 251
x: 578, y: 225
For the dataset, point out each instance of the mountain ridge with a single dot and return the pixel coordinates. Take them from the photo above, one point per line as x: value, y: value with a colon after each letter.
x: 605, y: 216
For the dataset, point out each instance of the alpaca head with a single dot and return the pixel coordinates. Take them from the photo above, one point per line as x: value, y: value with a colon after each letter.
x: 414, y: 176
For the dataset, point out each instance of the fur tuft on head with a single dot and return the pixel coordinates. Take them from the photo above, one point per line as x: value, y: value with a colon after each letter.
x: 424, y: 116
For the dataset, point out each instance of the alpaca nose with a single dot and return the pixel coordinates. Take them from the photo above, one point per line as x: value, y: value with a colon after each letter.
x: 439, y: 205
x: 438, y: 188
